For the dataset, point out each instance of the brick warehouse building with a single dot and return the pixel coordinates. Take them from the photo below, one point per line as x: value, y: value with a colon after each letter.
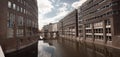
x: 99, y: 21
x: 18, y: 24
x: 67, y: 27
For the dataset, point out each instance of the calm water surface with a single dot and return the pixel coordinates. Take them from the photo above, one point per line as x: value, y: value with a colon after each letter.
x: 65, y: 48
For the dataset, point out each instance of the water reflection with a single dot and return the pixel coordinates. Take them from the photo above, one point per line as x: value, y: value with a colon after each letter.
x: 45, y: 50
x: 65, y: 48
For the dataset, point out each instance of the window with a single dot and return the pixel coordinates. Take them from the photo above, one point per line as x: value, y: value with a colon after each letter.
x: 21, y: 9
x: 88, y: 36
x: 18, y: 8
x: 20, y: 32
x: 10, y: 25
x: 107, y: 22
x: 108, y: 30
x: 10, y: 22
x: 33, y: 23
x: 109, y: 38
x: 98, y: 24
x: 9, y: 4
x: 20, y: 21
x: 14, y: 6
x: 24, y: 11
x: 100, y: 37
x: 88, y: 25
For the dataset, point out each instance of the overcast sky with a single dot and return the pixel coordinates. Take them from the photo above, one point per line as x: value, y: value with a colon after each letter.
x: 51, y: 11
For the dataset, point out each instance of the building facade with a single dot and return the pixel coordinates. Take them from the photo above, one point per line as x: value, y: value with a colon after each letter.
x: 54, y: 26
x: 50, y: 30
x: 98, y: 21
x: 68, y: 25
x: 18, y: 24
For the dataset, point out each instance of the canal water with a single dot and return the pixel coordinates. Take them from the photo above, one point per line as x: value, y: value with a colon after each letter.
x: 65, y: 48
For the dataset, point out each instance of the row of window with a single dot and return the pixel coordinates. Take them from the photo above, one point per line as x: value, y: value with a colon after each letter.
x: 100, y: 37
x: 98, y: 32
x: 104, y: 7
x: 20, y: 32
x: 17, y: 8
x: 11, y: 22
x: 88, y: 26
x: 99, y: 24
x: 103, y: 15
x: 20, y: 21
x: 22, y: 2
x: 89, y: 36
x: 108, y: 30
x: 28, y: 32
x: 31, y: 23
x: 83, y: 10
x: 88, y: 30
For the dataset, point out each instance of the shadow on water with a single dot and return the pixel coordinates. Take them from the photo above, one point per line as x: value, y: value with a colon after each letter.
x: 65, y: 48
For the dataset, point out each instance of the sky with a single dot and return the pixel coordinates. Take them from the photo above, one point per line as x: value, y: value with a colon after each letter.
x: 51, y: 11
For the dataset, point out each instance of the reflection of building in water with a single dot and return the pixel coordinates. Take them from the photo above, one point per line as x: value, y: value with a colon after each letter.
x: 45, y: 50
x: 91, y: 50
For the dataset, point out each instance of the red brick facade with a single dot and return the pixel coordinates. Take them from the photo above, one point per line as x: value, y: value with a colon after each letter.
x: 18, y: 23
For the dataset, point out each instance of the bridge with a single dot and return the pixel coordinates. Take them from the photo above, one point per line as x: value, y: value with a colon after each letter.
x: 49, y: 35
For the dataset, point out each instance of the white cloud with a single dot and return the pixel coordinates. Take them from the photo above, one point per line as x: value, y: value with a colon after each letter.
x: 45, y: 6
x: 62, y: 11
x: 63, y: 8
x: 53, y: 0
x: 43, y: 21
x: 78, y: 3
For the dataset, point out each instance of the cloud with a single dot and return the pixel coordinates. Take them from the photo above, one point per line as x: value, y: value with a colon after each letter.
x: 45, y: 6
x: 62, y: 11
x: 64, y: 7
x: 53, y: 0
x: 78, y: 3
